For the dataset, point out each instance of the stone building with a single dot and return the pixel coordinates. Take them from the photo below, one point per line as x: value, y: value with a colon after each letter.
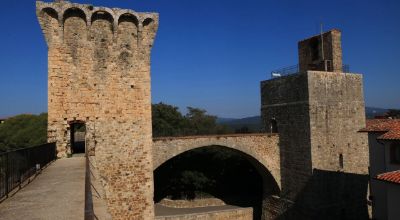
x: 318, y: 112
x: 384, y: 148
x: 99, y: 77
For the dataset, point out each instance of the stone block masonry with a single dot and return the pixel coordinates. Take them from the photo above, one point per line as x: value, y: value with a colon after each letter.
x: 324, y: 159
x: 99, y: 75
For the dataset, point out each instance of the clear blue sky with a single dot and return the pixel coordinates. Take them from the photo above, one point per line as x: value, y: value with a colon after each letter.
x: 213, y: 54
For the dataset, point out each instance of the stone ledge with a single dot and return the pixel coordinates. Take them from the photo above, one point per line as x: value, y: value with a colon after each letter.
x: 237, y: 214
x: 192, y: 203
x: 213, y: 136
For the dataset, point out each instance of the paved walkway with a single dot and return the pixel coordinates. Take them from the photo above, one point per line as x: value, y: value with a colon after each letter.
x: 57, y: 193
x: 161, y: 210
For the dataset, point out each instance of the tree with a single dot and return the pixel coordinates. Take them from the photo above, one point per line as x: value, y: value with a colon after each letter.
x: 200, y: 122
x: 168, y: 121
x: 23, y: 131
x: 393, y: 113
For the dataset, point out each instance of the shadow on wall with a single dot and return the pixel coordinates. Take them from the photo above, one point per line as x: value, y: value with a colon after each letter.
x: 331, y: 195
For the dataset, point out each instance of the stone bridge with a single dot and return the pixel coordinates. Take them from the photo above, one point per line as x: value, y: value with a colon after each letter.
x: 262, y: 150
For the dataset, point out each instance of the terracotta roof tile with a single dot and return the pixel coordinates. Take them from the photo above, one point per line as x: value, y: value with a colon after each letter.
x: 390, y: 127
x: 393, y: 177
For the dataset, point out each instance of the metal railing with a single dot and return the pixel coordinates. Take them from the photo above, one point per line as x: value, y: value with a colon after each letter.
x: 19, y: 165
x: 294, y: 69
x: 285, y: 71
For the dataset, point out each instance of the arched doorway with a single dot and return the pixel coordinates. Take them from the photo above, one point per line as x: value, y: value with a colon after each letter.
x: 215, y: 172
x: 77, y: 137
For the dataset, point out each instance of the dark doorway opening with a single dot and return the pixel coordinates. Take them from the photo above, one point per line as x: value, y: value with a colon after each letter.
x: 215, y: 172
x: 273, y: 125
x: 78, y: 133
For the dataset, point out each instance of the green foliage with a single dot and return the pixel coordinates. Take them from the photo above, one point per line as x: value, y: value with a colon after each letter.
x: 393, y: 113
x: 168, y: 121
x: 23, y: 131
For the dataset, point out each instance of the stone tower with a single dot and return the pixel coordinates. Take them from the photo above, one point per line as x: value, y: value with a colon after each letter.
x: 318, y: 113
x: 322, y: 52
x: 99, y: 76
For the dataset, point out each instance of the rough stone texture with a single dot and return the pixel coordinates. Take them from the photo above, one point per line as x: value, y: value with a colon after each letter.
x: 274, y: 206
x: 337, y: 113
x: 237, y: 214
x: 205, y: 202
x: 312, y: 58
x: 324, y: 160
x: 99, y: 74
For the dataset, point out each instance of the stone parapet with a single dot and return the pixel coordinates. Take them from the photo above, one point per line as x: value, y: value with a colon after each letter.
x: 237, y: 214
x: 192, y: 203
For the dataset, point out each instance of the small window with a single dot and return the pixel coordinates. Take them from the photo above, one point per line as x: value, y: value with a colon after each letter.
x: 395, y: 153
x: 273, y: 126
x: 314, y: 49
x: 341, y: 161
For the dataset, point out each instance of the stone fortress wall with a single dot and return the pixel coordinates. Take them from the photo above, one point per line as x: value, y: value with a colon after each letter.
x: 99, y: 75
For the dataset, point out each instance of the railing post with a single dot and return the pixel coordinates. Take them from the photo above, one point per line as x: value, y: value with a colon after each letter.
x: 7, y: 174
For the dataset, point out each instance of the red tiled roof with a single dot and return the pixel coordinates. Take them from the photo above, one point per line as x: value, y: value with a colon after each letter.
x: 393, y: 177
x: 390, y: 127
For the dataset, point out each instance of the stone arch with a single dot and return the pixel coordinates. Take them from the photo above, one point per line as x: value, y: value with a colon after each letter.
x: 269, y: 174
x: 105, y: 17
x: 74, y: 12
x: 263, y: 148
x: 262, y: 168
x: 148, y: 31
x: 75, y: 30
x: 128, y: 31
x: 50, y: 23
x: 101, y: 35
x: 127, y: 40
x: 94, y: 10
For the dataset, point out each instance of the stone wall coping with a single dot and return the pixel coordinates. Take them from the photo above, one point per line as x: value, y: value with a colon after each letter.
x: 213, y: 136
x: 200, y: 202
x: 210, y: 212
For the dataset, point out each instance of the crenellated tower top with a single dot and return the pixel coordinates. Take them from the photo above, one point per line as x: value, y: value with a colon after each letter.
x: 52, y: 17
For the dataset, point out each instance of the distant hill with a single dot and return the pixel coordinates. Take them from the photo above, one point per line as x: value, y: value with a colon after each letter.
x: 225, y: 120
x: 371, y: 112
x: 254, y: 123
